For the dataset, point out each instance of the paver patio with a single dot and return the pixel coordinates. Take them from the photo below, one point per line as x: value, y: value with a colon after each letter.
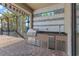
x: 13, y: 46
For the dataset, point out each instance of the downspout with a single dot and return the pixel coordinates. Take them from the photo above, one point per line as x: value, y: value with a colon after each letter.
x: 73, y: 36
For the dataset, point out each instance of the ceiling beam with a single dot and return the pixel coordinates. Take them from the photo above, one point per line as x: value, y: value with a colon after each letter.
x: 25, y: 7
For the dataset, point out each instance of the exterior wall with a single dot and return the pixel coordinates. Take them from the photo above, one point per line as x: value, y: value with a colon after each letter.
x: 68, y: 26
x: 54, y: 23
x: 67, y: 20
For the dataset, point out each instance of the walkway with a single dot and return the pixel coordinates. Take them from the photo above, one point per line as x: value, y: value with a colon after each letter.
x: 12, y: 46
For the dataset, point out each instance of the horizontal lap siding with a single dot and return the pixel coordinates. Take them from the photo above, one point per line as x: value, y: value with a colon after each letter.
x: 54, y: 23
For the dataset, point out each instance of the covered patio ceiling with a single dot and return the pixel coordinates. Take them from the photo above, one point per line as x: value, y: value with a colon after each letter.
x: 35, y: 6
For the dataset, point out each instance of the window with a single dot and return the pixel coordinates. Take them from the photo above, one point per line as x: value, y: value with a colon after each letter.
x: 50, y: 13
x: 47, y: 14
x: 27, y: 23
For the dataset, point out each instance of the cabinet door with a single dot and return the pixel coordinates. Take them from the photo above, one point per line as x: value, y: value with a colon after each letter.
x: 52, y: 42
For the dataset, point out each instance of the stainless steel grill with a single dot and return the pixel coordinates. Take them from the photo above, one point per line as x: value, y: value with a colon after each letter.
x: 58, y: 42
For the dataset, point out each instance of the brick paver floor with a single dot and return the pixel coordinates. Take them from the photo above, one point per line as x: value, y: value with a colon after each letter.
x: 12, y: 46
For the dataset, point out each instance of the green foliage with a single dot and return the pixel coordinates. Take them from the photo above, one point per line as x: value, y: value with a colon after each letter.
x: 11, y: 18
